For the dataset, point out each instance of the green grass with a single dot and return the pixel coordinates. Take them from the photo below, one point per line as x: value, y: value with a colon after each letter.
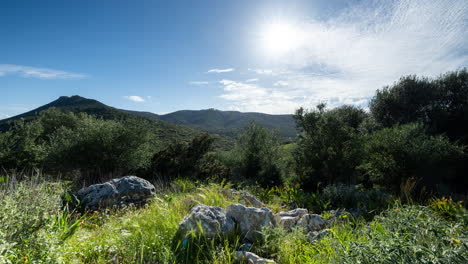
x: 34, y: 228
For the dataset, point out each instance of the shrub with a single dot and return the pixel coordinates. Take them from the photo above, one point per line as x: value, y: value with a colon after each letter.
x: 396, y: 154
x: 186, y: 160
x: 257, y: 152
x: 441, y: 104
x: 366, y: 202
x: 329, y: 147
x: 27, y: 211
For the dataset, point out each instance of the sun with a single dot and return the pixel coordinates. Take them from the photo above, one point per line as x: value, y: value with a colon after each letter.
x: 280, y: 38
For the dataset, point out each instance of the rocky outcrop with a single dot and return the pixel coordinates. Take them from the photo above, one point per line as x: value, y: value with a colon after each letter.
x: 208, y: 220
x: 289, y: 219
x: 312, y: 222
x: 245, y: 197
x: 250, y: 258
x: 116, y: 193
x: 249, y: 220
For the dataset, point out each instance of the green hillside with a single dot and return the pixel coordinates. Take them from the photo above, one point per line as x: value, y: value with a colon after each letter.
x: 165, y: 131
x: 227, y: 123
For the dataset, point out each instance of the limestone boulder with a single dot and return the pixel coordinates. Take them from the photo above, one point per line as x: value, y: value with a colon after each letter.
x: 210, y: 221
x: 116, y: 193
x: 289, y: 219
x: 250, y: 220
x: 312, y: 222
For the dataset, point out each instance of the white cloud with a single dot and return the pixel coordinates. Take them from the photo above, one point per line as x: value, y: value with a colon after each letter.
x: 198, y: 83
x: 251, y: 80
x: 262, y: 71
x: 372, y: 44
x: 281, y: 83
x: 134, y: 98
x: 41, y: 73
x: 221, y: 70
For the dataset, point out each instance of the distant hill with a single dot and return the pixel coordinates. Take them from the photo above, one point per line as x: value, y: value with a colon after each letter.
x: 182, y: 124
x: 231, y: 122
x: 165, y: 131
x: 227, y: 123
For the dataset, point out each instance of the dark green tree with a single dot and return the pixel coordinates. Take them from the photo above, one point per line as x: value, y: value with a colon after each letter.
x: 329, y: 146
x: 441, y: 104
x: 393, y: 155
x: 257, y: 152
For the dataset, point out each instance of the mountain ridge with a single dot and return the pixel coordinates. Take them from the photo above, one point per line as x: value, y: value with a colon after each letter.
x: 227, y: 123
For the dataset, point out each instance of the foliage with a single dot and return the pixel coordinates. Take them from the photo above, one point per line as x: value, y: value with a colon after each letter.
x: 441, y: 104
x: 398, y: 153
x: 449, y: 209
x: 329, y: 147
x: 186, y: 160
x: 364, y: 202
x: 103, y: 146
x: 257, y: 154
x: 27, y: 210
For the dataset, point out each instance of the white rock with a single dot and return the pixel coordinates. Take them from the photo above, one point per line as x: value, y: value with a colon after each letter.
x: 250, y: 258
x: 312, y: 222
x: 116, y: 192
x: 250, y: 220
x: 289, y: 219
x: 208, y: 220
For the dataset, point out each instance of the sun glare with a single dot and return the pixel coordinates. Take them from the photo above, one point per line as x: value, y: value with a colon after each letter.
x: 280, y: 38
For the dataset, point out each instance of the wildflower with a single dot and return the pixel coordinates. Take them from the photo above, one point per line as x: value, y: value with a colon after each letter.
x: 455, y: 241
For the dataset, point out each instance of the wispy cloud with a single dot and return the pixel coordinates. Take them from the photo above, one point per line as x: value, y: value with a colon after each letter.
x: 262, y: 71
x: 372, y: 44
x: 41, y: 73
x: 251, y: 80
x: 281, y: 83
x: 221, y: 70
x: 134, y: 98
x: 198, y: 83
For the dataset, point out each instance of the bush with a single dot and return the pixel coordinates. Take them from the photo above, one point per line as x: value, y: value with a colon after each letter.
x: 366, y: 202
x: 441, y: 104
x: 96, y: 147
x: 27, y: 211
x: 396, y: 154
x: 330, y: 145
x: 186, y: 160
x: 257, y: 156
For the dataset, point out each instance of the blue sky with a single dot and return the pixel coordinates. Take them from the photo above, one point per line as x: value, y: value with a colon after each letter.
x: 266, y: 56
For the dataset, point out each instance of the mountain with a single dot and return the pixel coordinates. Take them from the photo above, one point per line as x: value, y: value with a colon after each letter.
x: 165, y: 131
x: 182, y: 123
x: 229, y: 123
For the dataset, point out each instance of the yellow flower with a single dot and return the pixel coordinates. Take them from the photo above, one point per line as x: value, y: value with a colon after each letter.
x: 455, y: 241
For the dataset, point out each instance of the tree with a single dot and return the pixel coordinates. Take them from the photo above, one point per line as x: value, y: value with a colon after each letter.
x: 440, y: 104
x: 329, y: 146
x: 393, y: 155
x: 258, y: 155
x: 183, y: 160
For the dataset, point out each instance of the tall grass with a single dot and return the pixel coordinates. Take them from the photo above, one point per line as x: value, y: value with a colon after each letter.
x: 35, y: 227
x: 27, y: 210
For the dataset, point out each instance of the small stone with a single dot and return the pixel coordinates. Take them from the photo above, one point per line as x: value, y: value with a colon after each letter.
x: 251, y: 258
